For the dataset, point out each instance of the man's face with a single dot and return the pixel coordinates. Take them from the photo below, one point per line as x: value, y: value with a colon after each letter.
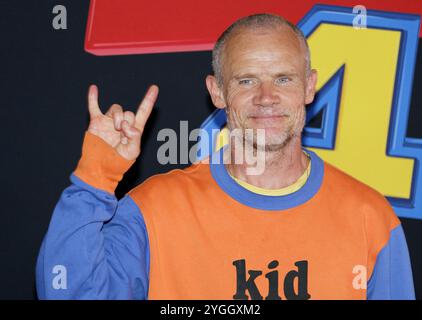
x: 266, y: 84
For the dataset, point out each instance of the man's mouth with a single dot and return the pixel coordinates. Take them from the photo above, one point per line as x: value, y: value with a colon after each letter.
x: 267, y: 117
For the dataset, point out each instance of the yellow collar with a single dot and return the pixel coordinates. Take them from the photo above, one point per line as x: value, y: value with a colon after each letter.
x: 299, y: 183
x: 223, y: 139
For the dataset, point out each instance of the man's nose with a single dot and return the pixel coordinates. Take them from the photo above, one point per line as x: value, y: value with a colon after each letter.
x: 266, y: 95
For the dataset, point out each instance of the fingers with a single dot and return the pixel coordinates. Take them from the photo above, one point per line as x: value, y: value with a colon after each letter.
x: 93, y: 107
x: 127, y: 124
x: 145, y: 107
x: 116, y: 113
x: 129, y: 146
x: 130, y: 132
x: 129, y: 117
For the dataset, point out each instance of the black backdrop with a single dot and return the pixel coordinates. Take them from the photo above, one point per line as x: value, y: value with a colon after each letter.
x: 44, y: 76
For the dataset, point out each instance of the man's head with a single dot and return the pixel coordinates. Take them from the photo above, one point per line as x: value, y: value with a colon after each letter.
x: 262, y: 77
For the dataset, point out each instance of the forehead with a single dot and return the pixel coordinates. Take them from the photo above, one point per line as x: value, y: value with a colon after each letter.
x: 274, y: 48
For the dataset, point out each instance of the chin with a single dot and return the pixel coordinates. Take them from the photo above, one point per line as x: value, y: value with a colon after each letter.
x: 273, y: 140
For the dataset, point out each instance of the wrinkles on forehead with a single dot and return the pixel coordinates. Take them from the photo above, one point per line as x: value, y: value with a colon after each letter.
x: 264, y: 50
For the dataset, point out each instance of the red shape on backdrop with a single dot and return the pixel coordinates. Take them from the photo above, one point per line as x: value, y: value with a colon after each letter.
x: 135, y: 26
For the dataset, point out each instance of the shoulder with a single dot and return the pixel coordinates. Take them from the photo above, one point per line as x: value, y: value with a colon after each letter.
x: 366, y: 205
x: 175, y: 180
x: 360, y: 196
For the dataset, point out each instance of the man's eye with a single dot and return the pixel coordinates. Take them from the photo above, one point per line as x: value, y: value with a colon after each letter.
x: 245, y: 81
x: 283, y: 80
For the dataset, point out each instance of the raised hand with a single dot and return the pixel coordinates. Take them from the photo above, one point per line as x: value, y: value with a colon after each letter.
x: 121, y: 129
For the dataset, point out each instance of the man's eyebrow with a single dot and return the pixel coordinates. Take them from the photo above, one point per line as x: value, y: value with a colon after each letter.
x: 244, y: 75
x: 284, y: 74
x: 254, y: 75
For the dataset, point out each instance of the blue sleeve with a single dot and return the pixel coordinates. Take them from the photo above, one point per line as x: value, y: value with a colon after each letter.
x: 392, y: 277
x: 96, y: 247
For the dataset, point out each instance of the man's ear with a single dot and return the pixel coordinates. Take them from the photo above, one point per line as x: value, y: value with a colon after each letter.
x: 311, y: 82
x: 216, y: 93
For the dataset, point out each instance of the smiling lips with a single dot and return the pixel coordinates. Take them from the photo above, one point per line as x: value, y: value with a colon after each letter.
x: 267, y: 121
x: 267, y: 117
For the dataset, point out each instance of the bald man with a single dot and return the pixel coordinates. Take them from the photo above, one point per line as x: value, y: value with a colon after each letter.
x: 300, y: 229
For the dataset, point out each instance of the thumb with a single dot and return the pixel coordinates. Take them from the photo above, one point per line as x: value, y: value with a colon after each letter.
x: 130, y: 132
x: 130, y: 143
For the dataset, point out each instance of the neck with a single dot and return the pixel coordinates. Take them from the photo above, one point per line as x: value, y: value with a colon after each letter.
x: 282, y: 167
